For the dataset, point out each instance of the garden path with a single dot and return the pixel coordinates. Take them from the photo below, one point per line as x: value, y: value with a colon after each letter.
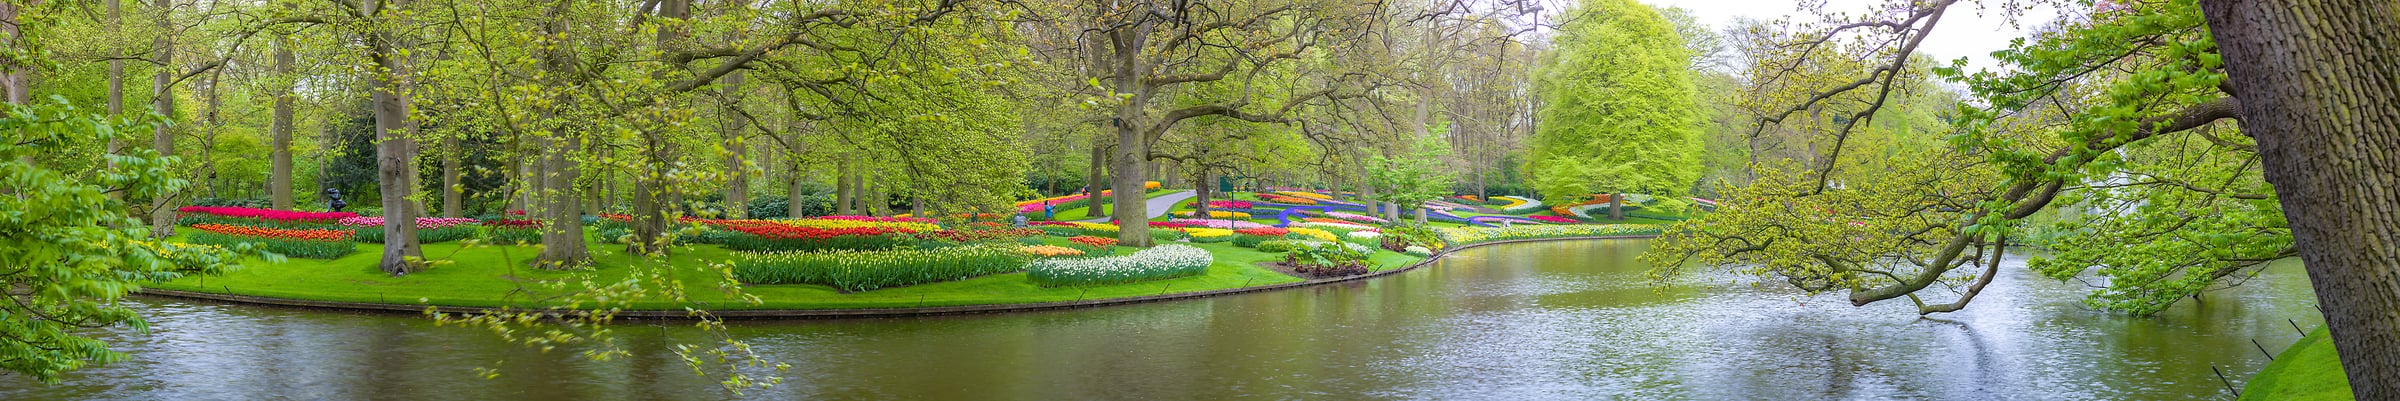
x: 1159, y: 206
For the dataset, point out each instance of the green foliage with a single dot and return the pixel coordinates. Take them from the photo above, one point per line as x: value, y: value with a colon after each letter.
x: 1166, y: 234
x: 1619, y: 111
x: 71, y: 251
x: 1321, y: 258
x: 1278, y: 246
x: 1415, y: 178
x: 1251, y: 241
x: 868, y: 270
x: 512, y: 235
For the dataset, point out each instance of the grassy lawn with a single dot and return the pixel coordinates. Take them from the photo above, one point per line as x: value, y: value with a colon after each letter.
x: 2309, y: 371
x: 1076, y: 213
x: 491, y: 276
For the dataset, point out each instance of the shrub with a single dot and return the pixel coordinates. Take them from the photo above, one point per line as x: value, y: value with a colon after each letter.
x: 1166, y: 234
x: 1162, y: 262
x: 1251, y: 241
x: 298, y: 243
x: 854, y: 271
x: 1329, y: 259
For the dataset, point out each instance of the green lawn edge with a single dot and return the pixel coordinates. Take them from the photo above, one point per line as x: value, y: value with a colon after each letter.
x: 2308, y: 371
x: 481, y: 276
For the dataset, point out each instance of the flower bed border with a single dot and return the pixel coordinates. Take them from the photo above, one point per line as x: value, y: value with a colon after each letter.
x: 746, y: 314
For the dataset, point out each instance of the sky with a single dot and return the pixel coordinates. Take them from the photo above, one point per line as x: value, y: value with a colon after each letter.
x: 1964, y: 31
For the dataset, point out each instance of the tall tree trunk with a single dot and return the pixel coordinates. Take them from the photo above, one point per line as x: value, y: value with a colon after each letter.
x: 392, y: 149
x: 454, y: 203
x: 13, y: 77
x: 737, y: 185
x: 162, y: 101
x: 650, y: 193
x: 1616, y: 206
x: 2319, y: 86
x: 563, y: 245
x: 279, y: 176
x: 1091, y: 181
x: 796, y: 207
x: 1133, y: 147
x: 845, y: 196
x: 1200, y: 193
x: 116, y: 78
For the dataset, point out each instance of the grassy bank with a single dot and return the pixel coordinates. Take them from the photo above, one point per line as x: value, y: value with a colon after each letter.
x: 2308, y: 371
x: 488, y: 276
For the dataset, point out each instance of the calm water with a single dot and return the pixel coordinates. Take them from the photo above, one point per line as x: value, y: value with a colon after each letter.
x: 1556, y: 320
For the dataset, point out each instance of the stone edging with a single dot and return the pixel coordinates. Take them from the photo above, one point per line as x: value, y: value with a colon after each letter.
x: 854, y: 313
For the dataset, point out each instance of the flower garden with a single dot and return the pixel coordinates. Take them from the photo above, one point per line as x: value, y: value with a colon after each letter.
x: 840, y: 262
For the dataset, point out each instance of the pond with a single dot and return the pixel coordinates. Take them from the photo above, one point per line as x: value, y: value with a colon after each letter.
x: 1547, y: 320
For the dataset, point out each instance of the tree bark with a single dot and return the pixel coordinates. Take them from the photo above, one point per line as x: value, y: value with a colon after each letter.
x: 116, y: 78
x: 162, y: 101
x: 737, y: 184
x: 401, y: 254
x: 2319, y: 87
x: 1616, y: 206
x: 13, y: 78
x: 563, y: 244
x: 279, y: 176
x: 1133, y: 147
x: 1091, y: 180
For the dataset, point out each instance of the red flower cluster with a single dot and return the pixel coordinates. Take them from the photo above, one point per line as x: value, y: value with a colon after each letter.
x: 1094, y: 241
x: 1263, y: 231
x: 1169, y: 224
x: 285, y: 216
x: 880, y: 219
x: 276, y: 233
x: 1229, y: 204
x: 1554, y: 219
x: 513, y: 223
x: 1051, y: 223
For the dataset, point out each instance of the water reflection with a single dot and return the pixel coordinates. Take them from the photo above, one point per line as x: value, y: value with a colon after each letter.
x: 1557, y: 320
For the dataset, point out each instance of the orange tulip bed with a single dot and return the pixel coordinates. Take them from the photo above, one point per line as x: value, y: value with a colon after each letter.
x: 299, y: 243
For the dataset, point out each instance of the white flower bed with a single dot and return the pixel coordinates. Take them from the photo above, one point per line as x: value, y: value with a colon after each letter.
x: 1365, y: 235
x: 1162, y: 262
x: 1520, y: 205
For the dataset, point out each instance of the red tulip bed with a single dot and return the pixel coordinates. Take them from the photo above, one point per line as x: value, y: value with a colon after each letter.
x: 190, y: 215
x: 299, y: 243
x: 769, y: 236
x: 513, y: 231
x: 1251, y: 237
x: 1555, y: 219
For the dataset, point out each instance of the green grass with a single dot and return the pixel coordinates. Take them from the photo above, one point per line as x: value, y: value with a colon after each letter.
x: 2307, y: 371
x: 491, y: 276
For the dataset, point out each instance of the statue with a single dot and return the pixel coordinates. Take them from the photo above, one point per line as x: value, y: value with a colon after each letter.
x: 333, y: 202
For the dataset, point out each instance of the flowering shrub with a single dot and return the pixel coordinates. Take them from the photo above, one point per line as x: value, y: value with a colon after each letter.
x: 1357, y: 218
x: 1553, y: 219
x: 1162, y: 262
x: 1094, y: 241
x: 1052, y: 251
x: 1278, y: 246
x: 220, y: 214
x: 299, y: 243
x: 1220, y: 214
x: 1470, y: 235
x: 854, y: 271
x: 1320, y: 235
